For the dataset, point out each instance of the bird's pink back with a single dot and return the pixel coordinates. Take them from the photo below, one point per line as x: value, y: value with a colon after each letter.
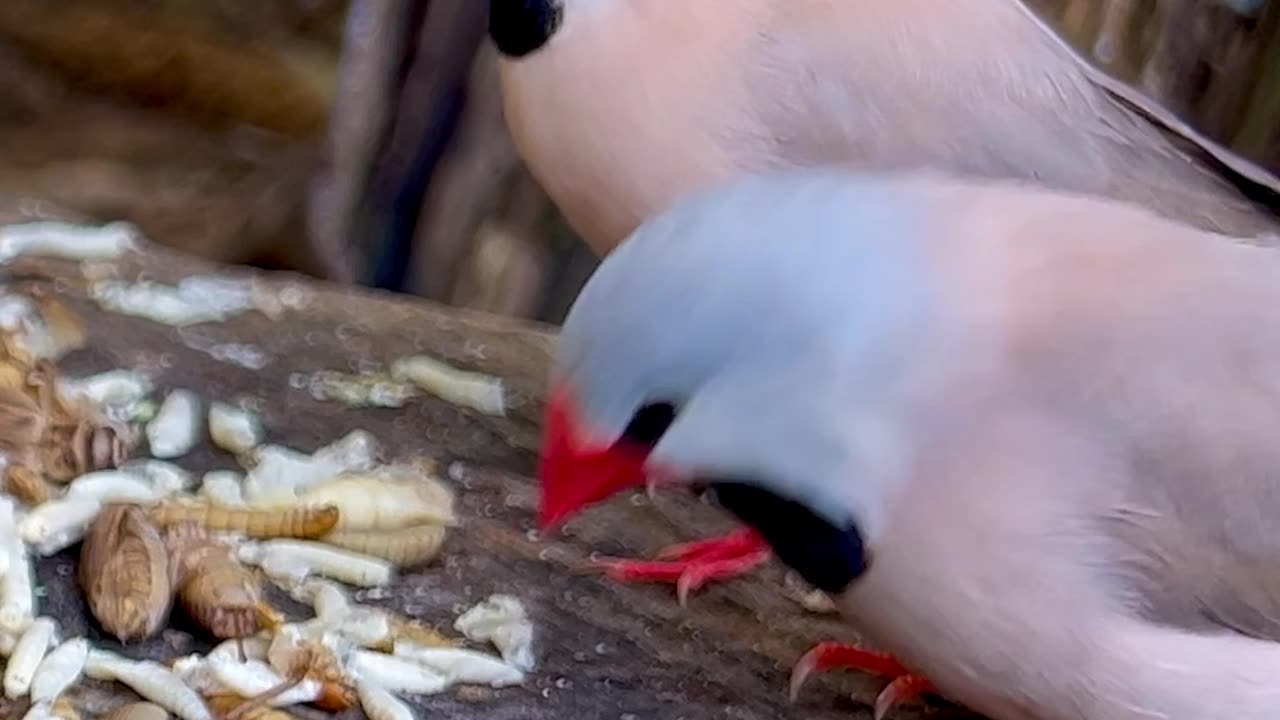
x: 636, y: 103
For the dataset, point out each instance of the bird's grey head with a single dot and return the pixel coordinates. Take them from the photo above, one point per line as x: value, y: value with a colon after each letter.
x: 741, y: 340
x: 522, y: 27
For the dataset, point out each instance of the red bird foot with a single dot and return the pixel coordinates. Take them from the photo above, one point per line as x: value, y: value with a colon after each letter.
x: 903, y: 684
x: 692, y: 565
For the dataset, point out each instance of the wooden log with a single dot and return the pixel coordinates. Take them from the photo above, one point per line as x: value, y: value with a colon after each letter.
x: 155, y: 59
x: 604, y: 650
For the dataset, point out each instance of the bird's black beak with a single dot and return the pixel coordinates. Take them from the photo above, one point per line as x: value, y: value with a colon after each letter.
x: 520, y: 27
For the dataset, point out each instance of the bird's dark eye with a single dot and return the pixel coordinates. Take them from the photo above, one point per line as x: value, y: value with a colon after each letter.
x: 519, y: 27
x: 828, y: 557
x: 649, y: 423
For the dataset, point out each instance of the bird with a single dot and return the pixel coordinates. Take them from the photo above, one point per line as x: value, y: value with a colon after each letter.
x: 1024, y: 437
x: 620, y: 107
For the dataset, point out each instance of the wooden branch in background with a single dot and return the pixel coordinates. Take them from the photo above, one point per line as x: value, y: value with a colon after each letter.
x: 161, y: 60
x: 466, y: 187
x: 368, y: 85
x: 442, y: 57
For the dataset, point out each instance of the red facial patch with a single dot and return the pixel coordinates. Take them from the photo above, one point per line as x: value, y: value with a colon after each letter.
x: 573, y: 473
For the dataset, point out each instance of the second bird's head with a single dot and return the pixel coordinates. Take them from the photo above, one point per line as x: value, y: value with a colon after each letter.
x: 521, y: 27
x: 745, y: 340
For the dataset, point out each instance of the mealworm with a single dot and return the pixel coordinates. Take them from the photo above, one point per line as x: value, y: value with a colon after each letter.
x: 254, y: 677
x: 223, y: 487
x: 234, y: 429
x: 329, y: 601
x: 176, y: 427
x: 298, y: 522
x: 343, y: 565
x: 406, y: 547
x: 501, y: 620
x: 138, y: 711
x: 396, y: 674
x: 59, y: 670
x: 389, y: 498
x: 26, y: 657
x: 379, y: 704
x: 165, y: 477
x: 17, y: 589
x: 58, y: 524
x: 112, y: 486
x: 151, y: 680
x: 473, y: 390
x: 459, y: 665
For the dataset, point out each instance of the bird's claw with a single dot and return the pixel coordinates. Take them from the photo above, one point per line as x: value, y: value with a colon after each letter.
x: 692, y: 565
x: 903, y: 686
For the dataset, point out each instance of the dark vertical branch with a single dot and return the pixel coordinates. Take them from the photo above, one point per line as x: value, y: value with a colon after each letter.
x: 429, y: 103
x: 368, y: 81
x: 467, y: 184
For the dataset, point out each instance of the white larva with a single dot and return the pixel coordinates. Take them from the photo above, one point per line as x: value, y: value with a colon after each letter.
x: 197, y: 673
x: 501, y: 620
x: 329, y: 601
x: 223, y: 487
x: 152, y: 681
x: 458, y: 665
x: 26, y: 657
x: 395, y: 674
x: 177, y: 425
x: 277, y: 473
x: 17, y: 590
x: 320, y: 559
x: 59, y: 670
x: 253, y: 647
x: 477, y: 391
x: 8, y: 527
x: 379, y: 704
x: 252, y: 677
x: 50, y: 238
x: 234, y: 429
x: 58, y: 524
x: 165, y: 477
x: 121, y: 393
x: 111, y: 486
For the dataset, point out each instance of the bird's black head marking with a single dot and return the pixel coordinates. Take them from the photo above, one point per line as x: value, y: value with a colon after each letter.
x: 520, y: 27
x: 649, y: 423
x: 828, y: 557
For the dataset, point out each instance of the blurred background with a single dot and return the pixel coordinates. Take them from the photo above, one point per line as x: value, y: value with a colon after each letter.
x: 355, y: 141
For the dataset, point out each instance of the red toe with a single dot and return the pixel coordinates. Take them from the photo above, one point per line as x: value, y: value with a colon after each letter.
x: 735, y: 544
x: 829, y: 655
x: 693, y: 565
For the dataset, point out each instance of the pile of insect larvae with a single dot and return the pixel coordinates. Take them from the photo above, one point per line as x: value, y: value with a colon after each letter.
x: 152, y: 536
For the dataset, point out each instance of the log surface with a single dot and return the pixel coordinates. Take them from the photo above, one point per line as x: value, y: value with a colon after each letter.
x: 604, y: 650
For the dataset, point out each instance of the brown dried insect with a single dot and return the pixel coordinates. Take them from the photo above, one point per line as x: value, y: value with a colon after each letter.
x: 299, y: 522
x: 125, y: 571
x: 62, y: 329
x: 138, y: 711
x: 219, y: 593
x: 25, y: 484
x: 53, y: 436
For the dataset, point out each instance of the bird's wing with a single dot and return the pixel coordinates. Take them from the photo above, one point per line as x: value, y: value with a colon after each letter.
x: 1156, y: 136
